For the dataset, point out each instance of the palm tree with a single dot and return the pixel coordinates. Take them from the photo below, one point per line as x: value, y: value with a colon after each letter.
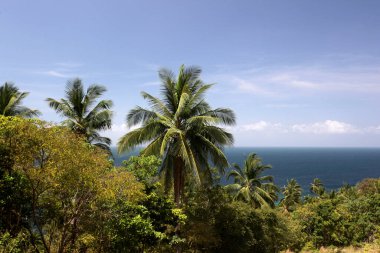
x: 182, y: 128
x: 317, y: 187
x: 10, y: 102
x: 83, y: 115
x: 292, y: 195
x: 250, y: 186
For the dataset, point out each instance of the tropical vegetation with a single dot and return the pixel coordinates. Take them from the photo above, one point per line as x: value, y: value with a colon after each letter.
x: 11, y: 100
x: 182, y: 128
x: 317, y: 187
x: 292, y: 193
x: 250, y: 186
x: 84, y: 115
x: 61, y: 192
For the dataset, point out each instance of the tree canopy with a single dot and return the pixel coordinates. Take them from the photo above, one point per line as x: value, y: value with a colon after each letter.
x: 182, y: 128
x: 250, y: 186
x: 84, y: 115
x: 11, y: 100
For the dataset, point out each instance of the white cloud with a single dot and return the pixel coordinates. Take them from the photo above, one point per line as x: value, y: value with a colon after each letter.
x: 55, y: 74
x: 117, y: 131
x: 119, y: 128
x: 325, y: 127
x: 258, y: 126
x: 122, y: 128
x: 261, y: 126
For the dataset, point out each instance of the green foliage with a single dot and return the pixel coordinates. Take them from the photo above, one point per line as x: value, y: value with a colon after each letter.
x: 19, y: 243
x: 369, y: 186
x: 317, y: 187
x: 146, y: 226
x: 11, y: 100
x: 365, y: 217
x: 83, y: 115
x: 15, y: 205
x: 145, y: 168
x: 131, y: 229
x: 215, y: 224
x: 182, y: 129
x: 63, y: 180
x: 350, y: 216
x: 292, y: 195
x: 250, y: 186
x: 58, y: 193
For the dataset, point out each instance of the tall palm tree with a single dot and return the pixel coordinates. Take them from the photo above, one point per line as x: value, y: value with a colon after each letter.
x: 83, y: 114
x: 182, y: 128
x: 10, y: 102
x: 317, y: 187
x: 292, y: 195
x: 250, y: 186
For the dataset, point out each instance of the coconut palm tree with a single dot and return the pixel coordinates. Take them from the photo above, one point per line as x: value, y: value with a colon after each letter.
x: 317, y: 187
x: 10, y: 102
x: 250, y: 186
x: 292, y: 195
x: 182, y: 128
x: 84, y: 115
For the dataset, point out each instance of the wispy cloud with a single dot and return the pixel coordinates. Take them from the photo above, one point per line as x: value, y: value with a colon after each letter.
x: 292, y: 80
x: 283, y: 81
x: 61, y: 70
x: 373, y: 129
x: 333, y: 127
x: 54, y: 73
x: 252, y: 87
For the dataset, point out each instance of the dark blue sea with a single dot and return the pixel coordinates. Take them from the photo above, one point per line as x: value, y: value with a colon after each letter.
x: 334, y: 166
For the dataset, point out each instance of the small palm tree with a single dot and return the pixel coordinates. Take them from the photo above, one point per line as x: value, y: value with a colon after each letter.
x: 10, y: 102
x: 181, y: 128
x: 250, y: 186
x: 292, y: 195
x: 317, y: 187
x: 83, y: 114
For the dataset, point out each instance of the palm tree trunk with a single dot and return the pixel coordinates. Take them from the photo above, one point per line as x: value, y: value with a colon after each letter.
x: 178, y: 180
x: 178, y: 191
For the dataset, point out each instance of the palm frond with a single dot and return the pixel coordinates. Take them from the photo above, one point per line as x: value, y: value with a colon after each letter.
x: 139, y: 136
x: 170, y: 134
x: 156, y: 104
x: 81, y: 116
x: 154, y: 147
x: 226, y: 116
x: 181, y: 126
x: 139, y: 115
x: 11, y: 100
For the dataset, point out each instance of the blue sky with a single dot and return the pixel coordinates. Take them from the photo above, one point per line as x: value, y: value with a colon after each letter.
x: 296, y: 73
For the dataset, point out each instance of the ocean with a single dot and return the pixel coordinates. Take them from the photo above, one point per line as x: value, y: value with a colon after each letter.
x: 334, y: 166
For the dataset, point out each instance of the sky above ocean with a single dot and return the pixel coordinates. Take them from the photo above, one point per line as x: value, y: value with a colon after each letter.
x: 296, y: 73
